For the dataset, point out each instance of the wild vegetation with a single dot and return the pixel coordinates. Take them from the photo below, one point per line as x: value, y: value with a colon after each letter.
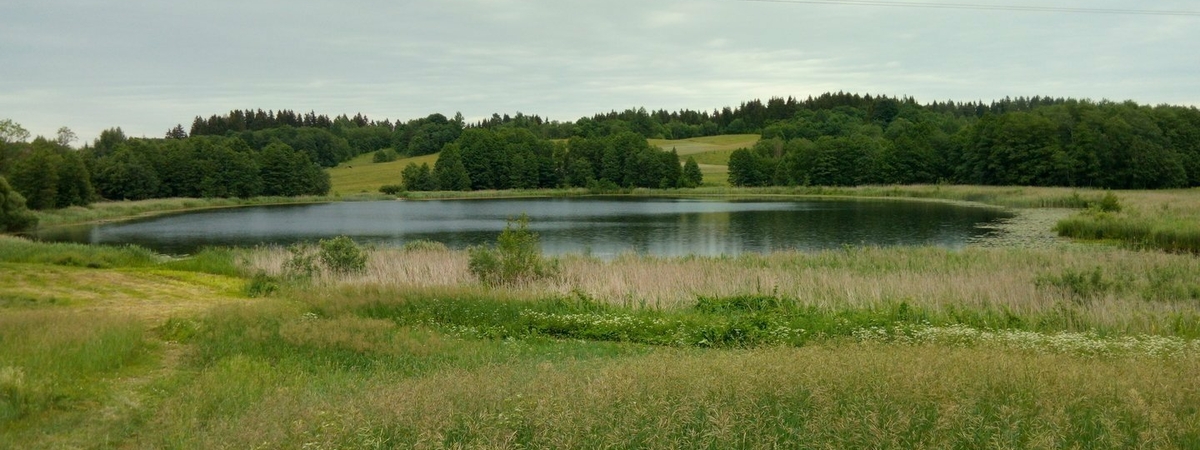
x: 417, y: 347
x: 332, y: 344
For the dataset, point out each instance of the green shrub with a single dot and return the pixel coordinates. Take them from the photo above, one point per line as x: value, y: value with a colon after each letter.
x: 392, y: 189
x: 385, y: 155
x: 342, y: 256
x: 516, y: 259
x: 1110, y: 203
x: 261, y: 285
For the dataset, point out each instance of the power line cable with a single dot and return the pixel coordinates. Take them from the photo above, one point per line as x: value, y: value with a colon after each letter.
x: 938, y: 5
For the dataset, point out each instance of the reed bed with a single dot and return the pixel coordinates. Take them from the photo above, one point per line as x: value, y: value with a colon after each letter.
x: 1084, y: 287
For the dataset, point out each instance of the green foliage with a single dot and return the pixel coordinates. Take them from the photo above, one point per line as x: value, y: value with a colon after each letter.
x: 341, y: 255
x: 1110, y: 203
x: 691, y: 176
x: 385, y: 155
x: 392, y: 189
x: 449, y: 171
x: 261, y: 285
x: 287, y: 172
x: 36, y: 177
x: 14, y: 216
x: 515, y: 259
x: 418, y: 178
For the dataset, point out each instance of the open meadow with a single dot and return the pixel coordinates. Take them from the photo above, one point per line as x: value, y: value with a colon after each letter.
x: 1053, y: 344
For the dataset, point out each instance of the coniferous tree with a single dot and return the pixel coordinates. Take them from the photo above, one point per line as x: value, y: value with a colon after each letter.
x: 691, y: 176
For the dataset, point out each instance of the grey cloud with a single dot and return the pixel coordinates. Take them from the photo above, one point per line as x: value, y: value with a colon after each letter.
x: 146, y: 65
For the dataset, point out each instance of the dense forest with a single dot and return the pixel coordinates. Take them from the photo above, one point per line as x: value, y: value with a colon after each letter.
x: 831, y: 139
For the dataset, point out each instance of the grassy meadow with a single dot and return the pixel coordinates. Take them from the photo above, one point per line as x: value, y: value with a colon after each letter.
x: 362, y: 175
x: 1056, y: 344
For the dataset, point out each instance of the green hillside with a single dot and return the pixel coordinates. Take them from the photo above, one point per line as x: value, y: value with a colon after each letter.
x: 362, y: 175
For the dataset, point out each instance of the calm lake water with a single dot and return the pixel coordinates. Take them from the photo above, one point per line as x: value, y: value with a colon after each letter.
x: 600, y: 226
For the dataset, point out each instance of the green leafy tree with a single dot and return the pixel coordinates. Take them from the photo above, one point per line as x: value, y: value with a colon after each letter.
x: 418, y: 178
x: 74, y: 182
x: 287, y: 172
x: 14, y: 215
x: 449, y: 171
x: 12, y: 132
x: 36, y: 178
x: 126, y: 176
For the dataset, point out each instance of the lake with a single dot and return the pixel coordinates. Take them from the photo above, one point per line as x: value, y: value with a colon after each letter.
x: 600, y: 226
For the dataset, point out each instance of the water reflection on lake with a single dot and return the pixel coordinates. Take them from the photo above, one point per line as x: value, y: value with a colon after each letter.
x: 601, y: 226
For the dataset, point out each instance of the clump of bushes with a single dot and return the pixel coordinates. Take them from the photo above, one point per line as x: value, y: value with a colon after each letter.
x: 385, y: 155
x: 339, y: 256
x: 392, y: 189
x: 516, y: 258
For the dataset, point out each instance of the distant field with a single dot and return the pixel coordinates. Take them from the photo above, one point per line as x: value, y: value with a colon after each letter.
x: 362, y: 175
x: 695, y: 146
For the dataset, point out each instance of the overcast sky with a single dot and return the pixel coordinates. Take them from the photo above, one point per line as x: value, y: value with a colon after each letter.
x: 146, y: 65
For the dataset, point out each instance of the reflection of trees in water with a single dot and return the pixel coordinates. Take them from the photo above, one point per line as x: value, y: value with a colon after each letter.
x: 605, y: 228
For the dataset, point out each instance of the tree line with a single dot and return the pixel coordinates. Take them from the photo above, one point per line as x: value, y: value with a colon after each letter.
x: 49, y: 174
x: 514, y: 158
x: 1068, y: 143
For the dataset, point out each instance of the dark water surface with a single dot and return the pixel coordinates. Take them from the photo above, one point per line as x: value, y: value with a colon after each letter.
x: 601, y: 226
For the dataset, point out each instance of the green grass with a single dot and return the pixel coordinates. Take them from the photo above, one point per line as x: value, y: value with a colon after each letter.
x: 361, y: 175
x: 57, y: 359
x: 18, y: 250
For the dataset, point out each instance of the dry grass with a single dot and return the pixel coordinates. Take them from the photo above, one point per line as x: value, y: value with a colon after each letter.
x: 1134, y: 291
